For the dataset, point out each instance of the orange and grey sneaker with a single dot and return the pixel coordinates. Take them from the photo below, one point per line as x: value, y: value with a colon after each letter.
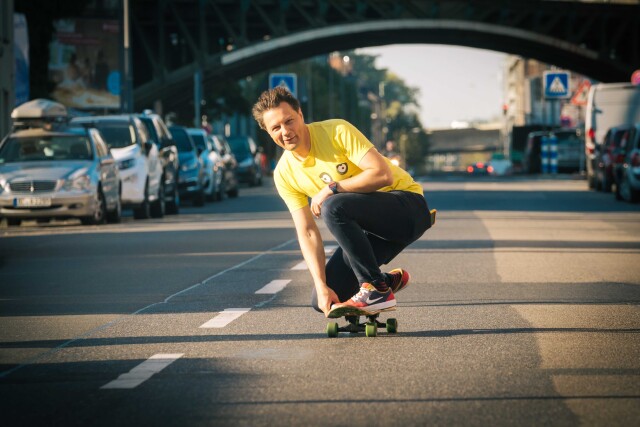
x: 398, y: 279
x: 367, y: 301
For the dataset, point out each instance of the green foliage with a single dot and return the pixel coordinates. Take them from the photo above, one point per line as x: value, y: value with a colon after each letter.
x: 350, y: 91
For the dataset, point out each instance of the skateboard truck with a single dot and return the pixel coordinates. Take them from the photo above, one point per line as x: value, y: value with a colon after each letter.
x: 354, y: 326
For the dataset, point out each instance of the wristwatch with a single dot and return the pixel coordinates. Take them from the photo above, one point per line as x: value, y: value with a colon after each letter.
x: 333, y: 186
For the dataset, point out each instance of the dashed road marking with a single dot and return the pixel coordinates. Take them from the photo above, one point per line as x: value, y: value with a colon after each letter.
x: 273, y: 287
x: 143, y: 371
x: 303, y: 265
x: 224, y: 318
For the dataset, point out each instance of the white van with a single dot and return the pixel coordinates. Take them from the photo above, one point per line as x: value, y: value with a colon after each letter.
x: 609, y: 105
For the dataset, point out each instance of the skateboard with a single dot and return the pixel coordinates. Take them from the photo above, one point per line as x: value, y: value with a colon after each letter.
x: 370, y: 328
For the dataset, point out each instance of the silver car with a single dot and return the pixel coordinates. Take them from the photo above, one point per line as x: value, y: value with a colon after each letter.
x: 66, y: 173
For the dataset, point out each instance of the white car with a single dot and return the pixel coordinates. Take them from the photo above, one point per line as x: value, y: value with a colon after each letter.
x: 49, y: 170
x: 210, y: 160
x: 138, y: 162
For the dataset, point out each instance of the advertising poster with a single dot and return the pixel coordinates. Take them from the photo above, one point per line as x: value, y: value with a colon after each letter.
x: 21, y: 54
x: 84, y: 64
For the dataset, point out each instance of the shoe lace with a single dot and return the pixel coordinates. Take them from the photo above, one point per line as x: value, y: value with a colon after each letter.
x: 360, y: 295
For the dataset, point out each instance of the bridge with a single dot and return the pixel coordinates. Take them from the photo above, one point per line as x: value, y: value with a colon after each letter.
x: 234, y: 39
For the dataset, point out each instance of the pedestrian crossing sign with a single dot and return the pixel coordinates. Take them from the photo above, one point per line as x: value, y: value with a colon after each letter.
x: 556, y: 84
x: 287, y: 80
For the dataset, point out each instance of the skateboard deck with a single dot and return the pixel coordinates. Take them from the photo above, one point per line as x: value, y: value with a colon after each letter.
x: 353, y: 326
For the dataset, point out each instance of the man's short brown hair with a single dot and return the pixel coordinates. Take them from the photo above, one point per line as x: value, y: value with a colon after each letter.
x: 271, y: 99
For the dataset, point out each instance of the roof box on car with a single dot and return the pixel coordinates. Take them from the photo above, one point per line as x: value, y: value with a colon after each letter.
x: 39, y: 113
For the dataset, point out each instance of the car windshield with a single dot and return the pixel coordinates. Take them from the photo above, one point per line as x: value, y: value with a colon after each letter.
x: 46, y: 148
x: 239, y: 147
x: 182, y: 141
x: 198, y: 139
x: 148, y: 123
x: 117, y: 135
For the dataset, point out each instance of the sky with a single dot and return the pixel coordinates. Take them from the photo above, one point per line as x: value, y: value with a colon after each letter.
x: 456, y: 83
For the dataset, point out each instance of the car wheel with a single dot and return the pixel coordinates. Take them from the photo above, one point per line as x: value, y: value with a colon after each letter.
x: 627, y: 193
x: 221, y: 191
x: 233, y: 193
x: 173, y: 206
x: 144, y: 210
x: 158, y: 206
x: 199, y: 198
x: 115, y: 216
x: 13, y: 222
x: 100, y: 212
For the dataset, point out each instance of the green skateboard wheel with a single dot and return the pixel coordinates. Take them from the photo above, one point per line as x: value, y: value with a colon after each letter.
x: 392, y: 326
x: 332, y: 329
x: 371, y: 330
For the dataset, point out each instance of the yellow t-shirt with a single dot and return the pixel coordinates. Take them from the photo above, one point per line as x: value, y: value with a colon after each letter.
x: 336, y: 149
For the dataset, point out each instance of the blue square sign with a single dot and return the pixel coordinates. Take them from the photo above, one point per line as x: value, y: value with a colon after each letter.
x: 287, y: 80
x: 556, y: 84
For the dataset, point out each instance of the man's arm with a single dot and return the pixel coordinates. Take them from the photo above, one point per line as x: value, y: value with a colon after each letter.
x: 313, y: 252
x: 375, y: 174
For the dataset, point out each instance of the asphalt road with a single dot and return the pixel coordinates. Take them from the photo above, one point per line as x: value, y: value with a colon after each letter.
x: 523, y: 310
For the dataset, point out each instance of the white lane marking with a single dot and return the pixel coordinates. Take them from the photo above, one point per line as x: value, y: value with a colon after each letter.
x: 143, y: 371
x: 303, y: 265
x: 329, y: 249
x: 300, y: 266
x: 273, y: 287
x: 122, y: 318
x: 224, y: 318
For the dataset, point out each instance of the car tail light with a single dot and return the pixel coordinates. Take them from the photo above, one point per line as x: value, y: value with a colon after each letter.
x: 490, y: 169
x: 592, y: 134
x: 618, y: 158
x: 470, y: 169
x: 480, y: 165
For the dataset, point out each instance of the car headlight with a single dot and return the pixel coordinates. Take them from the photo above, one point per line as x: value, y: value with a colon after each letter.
x: 82, y: 182
x: 192, y: 164
x: 126, y: 164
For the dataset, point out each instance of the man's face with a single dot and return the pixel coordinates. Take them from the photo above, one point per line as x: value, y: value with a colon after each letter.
x: 285, y: 126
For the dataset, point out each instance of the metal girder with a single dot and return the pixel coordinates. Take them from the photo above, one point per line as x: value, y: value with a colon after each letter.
x: 222, y: 27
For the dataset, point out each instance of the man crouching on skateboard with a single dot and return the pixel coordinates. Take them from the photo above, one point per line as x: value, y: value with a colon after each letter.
x: 373, y: 208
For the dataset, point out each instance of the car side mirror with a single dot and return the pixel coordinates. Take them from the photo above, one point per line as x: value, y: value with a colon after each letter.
x: 200, y: 150
x: 167, y: 142
x: 147, y: 147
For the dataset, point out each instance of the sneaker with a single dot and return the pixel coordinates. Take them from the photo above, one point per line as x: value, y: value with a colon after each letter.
x: 367, y: 302
x: 398, y: 279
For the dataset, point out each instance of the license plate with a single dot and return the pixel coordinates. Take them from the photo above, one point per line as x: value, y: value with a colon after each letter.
x: 32, y: 202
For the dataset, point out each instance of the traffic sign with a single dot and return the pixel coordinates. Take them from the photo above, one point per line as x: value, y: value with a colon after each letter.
x: 581, y: 94
x: 556, y: 84
x: 287, y: 80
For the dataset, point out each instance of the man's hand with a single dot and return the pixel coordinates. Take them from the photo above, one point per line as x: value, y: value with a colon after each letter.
x: 326, y: 297
x: 318, y: 199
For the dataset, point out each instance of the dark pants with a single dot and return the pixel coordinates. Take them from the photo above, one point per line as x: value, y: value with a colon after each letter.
x: 371, y: 229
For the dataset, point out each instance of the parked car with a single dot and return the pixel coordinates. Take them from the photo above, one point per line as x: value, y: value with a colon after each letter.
x: 138, y: 161
x: 231, y: 165
x: 48, y: 170
x: 499, y: 166
x: 168, y: 153
x: 479, y: 168
x: 627, y: 174
x: 214, y: 176
x: 532, y: 157
x: 608, y: 105
x: 192, y: 177
x: 229, y: 184
x: 245, y: 150
x: 607, y: 155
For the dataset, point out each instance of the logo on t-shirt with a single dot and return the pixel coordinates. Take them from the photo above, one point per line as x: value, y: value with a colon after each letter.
x: 342, y: 168
x: 326, y: 177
